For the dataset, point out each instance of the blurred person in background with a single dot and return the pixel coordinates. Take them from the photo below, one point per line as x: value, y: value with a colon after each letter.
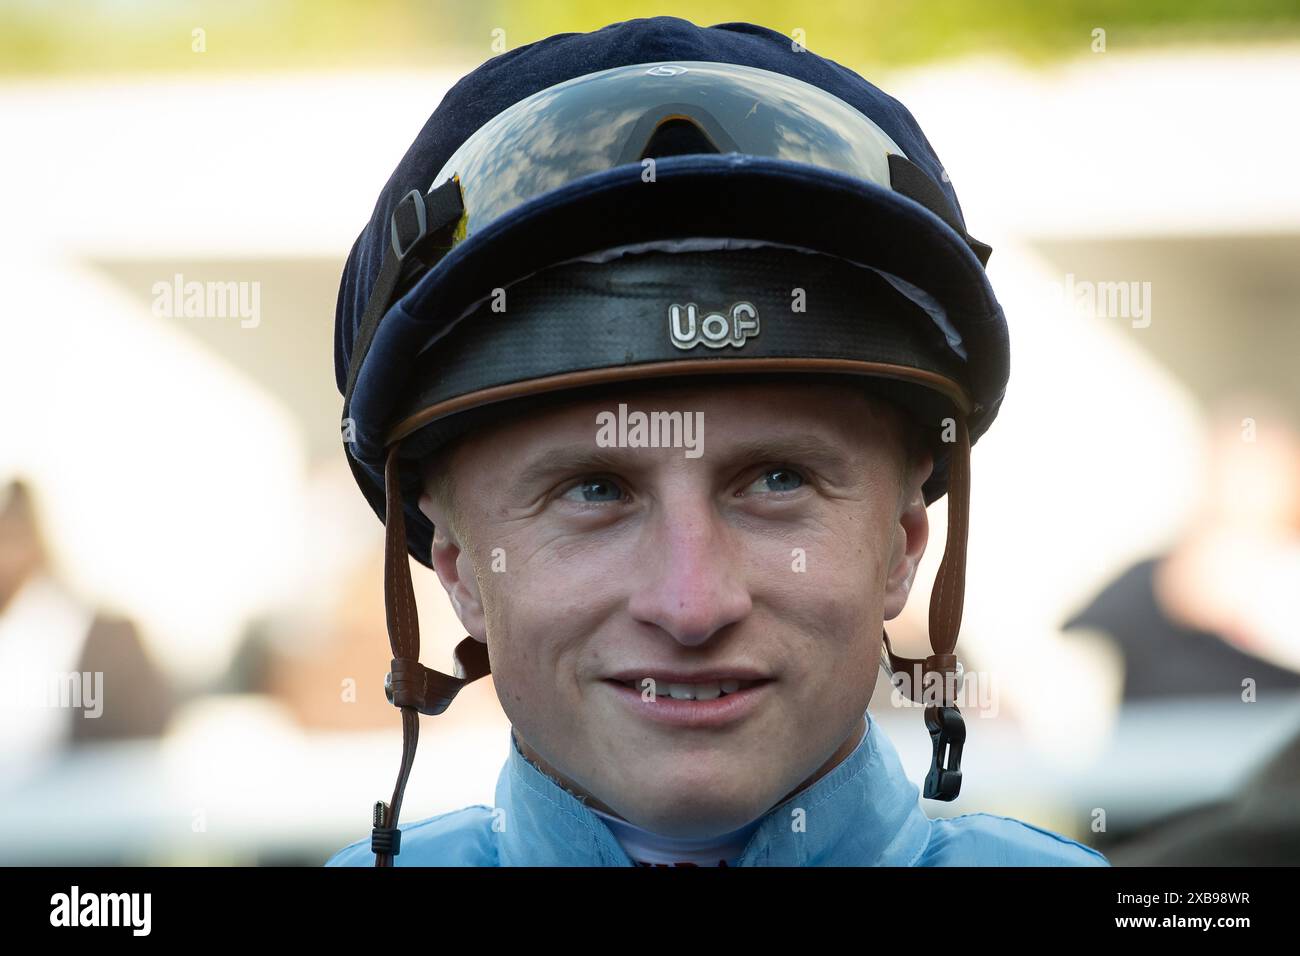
x: 72, y: 674
x: 1217, y: 613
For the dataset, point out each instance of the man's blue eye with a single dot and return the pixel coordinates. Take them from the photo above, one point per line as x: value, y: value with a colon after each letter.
x: 594, y: 489
x: 779, y: 479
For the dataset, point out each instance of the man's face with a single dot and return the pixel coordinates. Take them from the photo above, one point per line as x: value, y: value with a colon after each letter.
x: 775, y: 555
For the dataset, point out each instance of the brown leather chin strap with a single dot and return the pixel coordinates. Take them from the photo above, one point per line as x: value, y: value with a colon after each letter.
x: 410, y: 686
x: 938, y: 692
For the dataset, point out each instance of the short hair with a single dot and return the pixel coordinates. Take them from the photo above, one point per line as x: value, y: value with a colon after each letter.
x: 912, y: 442
x: 439, y: 483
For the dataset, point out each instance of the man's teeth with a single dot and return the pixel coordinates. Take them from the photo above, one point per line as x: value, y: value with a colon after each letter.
x: 706, y: 691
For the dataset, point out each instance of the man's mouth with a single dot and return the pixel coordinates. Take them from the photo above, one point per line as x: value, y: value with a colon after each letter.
x: 708, y: 690
x: 697, y: 701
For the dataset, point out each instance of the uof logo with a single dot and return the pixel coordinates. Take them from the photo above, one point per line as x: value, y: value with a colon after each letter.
x: 715, y: 330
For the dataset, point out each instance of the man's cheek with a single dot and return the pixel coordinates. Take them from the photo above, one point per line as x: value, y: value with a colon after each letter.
x: 523, y: 640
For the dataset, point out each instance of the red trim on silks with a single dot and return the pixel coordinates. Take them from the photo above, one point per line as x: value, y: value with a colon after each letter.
x: 696, y: 865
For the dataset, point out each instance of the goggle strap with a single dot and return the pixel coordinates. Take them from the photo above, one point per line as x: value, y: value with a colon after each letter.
x: 910, y: 180
x: 415, y: 221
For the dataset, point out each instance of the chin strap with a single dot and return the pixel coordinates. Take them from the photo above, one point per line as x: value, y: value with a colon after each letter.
x: 410, y: 686
x: 942, y: 719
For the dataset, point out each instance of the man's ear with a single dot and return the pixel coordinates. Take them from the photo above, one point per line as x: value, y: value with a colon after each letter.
x: 911, y: 534
x: 452, y: 564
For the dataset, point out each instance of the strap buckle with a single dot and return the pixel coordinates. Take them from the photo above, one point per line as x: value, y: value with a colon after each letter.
x: 948, y: 734
x: 421, y: 220
x: 383, y: 838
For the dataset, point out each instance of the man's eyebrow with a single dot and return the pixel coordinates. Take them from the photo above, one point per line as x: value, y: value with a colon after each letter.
x: 552, y: 462
x: 800, y: 446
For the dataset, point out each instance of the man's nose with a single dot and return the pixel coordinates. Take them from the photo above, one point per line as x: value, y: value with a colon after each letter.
x: 691, y: 582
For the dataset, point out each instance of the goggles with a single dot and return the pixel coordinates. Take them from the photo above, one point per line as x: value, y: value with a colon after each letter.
x: 631, y: 114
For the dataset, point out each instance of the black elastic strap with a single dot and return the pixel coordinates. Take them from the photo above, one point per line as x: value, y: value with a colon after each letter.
x: 909, y: 179
x: 416, y: 219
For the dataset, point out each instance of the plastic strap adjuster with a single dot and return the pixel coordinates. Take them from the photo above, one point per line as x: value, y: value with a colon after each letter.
x: 384, y: 839
x: 421, y: 221
x: 948, y: 734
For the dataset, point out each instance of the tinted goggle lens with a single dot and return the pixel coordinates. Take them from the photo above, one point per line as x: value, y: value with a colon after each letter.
x: 597, y: 122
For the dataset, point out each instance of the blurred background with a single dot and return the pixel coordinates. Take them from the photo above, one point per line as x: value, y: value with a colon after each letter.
x: 192, y: 642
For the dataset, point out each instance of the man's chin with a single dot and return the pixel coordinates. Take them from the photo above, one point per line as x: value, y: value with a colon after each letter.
x: 693, y: 804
